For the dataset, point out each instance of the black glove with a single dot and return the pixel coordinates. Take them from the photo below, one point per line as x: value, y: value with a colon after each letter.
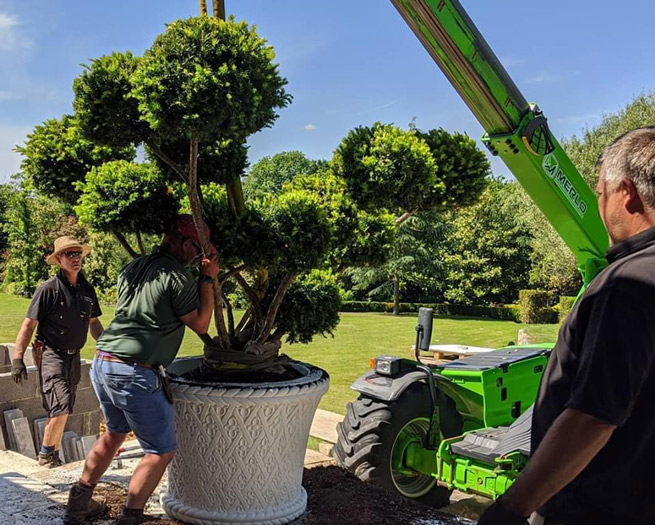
x: 498, y: 514
x: 18, y: 371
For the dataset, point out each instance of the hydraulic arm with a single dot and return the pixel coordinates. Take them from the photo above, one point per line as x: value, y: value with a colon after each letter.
x: 514, y: 129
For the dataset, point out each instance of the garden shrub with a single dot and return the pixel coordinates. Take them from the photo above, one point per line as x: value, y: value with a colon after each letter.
x: 535, y: 307
x: 564, y: 306
x: 506, y: 313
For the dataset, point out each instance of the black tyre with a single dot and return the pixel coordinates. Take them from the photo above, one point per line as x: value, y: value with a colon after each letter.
x: 373, y: 431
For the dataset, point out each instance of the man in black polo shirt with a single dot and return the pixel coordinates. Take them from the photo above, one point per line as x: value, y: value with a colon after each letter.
x: 64, y: 308
x: 593, y: 429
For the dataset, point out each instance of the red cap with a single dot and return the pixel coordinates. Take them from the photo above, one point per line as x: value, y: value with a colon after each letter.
x: 186, y: 227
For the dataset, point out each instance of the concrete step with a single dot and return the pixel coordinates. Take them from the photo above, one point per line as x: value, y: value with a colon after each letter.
x: 324, y: 425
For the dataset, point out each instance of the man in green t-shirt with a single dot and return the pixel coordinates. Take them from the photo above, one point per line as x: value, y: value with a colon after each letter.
x: 157, y: 298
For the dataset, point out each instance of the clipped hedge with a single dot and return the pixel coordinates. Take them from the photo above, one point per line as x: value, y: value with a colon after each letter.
x: 505, y: 313
x: 535, y: 307
x: 564, y: 306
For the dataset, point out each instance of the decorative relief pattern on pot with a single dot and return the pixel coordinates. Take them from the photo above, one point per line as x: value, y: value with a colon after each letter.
x: 240, y: 456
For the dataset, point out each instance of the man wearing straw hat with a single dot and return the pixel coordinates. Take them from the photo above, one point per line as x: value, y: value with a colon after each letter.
x: 63, y: 309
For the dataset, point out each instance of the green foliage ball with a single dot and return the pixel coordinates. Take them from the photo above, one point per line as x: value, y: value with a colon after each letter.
x: 209, y: 78
x: 57, y: 156
x: 461, y: 168
x: 126, y: 197
x: 386, y: 167
x: 107, y: 110
x: 311, y: 307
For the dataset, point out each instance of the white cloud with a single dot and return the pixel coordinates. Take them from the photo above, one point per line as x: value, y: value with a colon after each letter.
x: 10, y: 37
x: 310, y: 127
x: 9, y: 95
x: 541, y: 78
x: 7, y: 21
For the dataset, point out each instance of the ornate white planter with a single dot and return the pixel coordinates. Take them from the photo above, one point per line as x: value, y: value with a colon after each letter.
x: 241, y: 449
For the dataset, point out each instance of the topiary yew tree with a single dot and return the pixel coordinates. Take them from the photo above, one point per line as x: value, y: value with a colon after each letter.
x: 405, y: 172
x: 192, y: 100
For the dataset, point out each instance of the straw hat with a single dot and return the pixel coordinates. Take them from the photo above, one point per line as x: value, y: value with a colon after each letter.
x: 65, y: 243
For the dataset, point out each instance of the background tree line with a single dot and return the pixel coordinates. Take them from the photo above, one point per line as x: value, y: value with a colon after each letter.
x: 480, y: 254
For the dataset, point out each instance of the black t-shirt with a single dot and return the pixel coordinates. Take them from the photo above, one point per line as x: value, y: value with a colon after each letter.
x: 603, y: 365
x: 63, y: 311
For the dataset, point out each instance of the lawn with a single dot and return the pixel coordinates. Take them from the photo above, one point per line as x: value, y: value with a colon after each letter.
x: 345, y: 356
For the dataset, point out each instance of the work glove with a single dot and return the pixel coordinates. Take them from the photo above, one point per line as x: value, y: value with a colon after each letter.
x: 498, y: 514
x: 18, y: 371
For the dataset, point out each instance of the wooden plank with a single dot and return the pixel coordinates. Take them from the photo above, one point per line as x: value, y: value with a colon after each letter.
x: 316, y: 459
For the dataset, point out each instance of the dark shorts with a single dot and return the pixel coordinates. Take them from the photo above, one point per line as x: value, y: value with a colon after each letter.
x: 59, y: 375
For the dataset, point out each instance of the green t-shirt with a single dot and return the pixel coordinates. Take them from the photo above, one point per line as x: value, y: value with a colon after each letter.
x: 154, y: 291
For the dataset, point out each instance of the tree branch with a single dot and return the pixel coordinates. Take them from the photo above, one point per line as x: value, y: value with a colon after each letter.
x: 168, y: 161
x: 404, y: 217
x: 123, y: 241
x: 255, y: 304
x: 230, y: 317
x: 275, y: 306
x: 196, y: 212
x: 244, y: 320
x: 139, y: 242
x: 231, y: 272
x: 219, y: 9
x: 203, y: 7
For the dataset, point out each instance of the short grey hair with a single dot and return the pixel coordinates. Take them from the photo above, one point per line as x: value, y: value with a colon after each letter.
x: 632, y: 156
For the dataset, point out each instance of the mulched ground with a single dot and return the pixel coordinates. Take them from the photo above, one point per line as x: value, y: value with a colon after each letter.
x: 335, y: 497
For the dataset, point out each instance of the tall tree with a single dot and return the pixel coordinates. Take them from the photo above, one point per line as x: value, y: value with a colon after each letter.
x: 269, y: 174
x: 489, y: 253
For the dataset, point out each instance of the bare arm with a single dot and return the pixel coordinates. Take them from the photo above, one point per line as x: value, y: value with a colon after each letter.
x: 570, y: 444
x: 198, y: 320
x: 95, y: 327
x: 24, y: 337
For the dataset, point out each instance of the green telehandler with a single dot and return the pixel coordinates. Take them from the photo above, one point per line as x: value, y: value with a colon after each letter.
x: 424, y: 430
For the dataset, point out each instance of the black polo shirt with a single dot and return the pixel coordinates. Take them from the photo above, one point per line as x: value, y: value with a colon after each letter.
x: 603, y: 365
x: 63, y: 311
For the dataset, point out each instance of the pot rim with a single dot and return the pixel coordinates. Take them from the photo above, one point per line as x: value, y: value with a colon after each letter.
x: 311, y: 373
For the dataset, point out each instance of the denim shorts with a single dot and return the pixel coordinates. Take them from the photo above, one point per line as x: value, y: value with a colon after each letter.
x: 132, y: 398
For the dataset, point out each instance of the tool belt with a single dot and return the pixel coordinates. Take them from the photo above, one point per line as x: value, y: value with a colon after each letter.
x: 39, y: 346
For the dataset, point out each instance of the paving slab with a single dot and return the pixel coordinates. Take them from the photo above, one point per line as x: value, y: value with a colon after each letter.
x: 3, y: 443
x: 87, y: 444
x: 14, y: 413
x: 80, y: 450
x: 324, y: 425
x: 39, y: 430
x: 68, y: 446
x: 23, y: 437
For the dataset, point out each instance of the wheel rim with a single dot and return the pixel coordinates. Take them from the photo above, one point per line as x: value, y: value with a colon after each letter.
x: 409, y: 483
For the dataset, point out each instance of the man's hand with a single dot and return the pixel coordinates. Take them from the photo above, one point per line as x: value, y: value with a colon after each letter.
x: 18, y: 371
x: 498, y: 514
x: 209, y: 266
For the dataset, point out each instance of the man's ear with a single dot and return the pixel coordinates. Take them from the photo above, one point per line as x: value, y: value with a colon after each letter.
x: 631, y: 198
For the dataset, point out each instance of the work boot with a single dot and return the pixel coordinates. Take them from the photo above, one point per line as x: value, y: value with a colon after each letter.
x: 127, y: 520
x: 81, y: 506
x: 50, y: 459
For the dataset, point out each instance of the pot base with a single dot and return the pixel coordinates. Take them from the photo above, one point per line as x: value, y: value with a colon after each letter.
x: 273, y: 516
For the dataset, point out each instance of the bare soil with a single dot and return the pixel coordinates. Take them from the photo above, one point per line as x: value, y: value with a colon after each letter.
x: 334, y: 497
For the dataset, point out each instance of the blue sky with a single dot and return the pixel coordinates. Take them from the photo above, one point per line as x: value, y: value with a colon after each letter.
x: 348, y: 62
